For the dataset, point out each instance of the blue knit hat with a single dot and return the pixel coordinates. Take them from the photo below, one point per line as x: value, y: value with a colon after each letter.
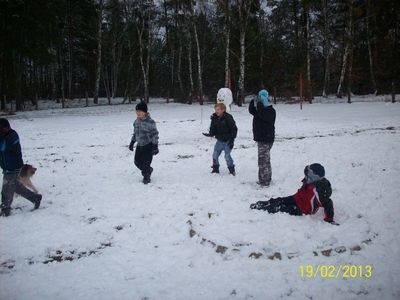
x: 263, y: 96
x: 314, y: 172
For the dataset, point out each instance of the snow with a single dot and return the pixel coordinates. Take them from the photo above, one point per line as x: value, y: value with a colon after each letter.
x: 119, y: 239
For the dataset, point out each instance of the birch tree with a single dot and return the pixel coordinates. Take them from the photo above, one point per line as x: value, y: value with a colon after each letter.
x: 98, y: 52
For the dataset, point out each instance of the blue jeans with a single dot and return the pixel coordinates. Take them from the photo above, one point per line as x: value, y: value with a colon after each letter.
x: 218, y: 148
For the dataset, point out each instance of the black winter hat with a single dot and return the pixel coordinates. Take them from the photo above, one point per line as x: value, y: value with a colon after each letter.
x: 4, y: 123
x: 142, y: 106
x: 314, y: 172
x: 318, y: 169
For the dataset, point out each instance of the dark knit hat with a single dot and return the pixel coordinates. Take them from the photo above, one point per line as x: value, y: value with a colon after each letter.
x: 142, y: 106
x: 314, y: 172
x: 4, y: 123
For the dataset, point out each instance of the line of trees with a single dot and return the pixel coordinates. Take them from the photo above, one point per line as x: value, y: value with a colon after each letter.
x: 187, y: 50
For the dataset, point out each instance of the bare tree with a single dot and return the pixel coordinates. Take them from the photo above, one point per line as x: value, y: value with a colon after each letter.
x: 244, y: 7
x: 348, y: 45
x: 190, y: 67
x: 199, y: 69
x: 370, y: 56
x: 98, y: 52
x: 326, y: 47
x: 225, y: 4
x: 308, y: 50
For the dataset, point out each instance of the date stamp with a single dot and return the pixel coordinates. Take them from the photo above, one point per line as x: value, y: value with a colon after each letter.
x: 333, y: 271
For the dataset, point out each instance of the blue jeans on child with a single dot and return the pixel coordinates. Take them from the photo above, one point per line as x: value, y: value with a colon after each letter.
x: 218, y: 148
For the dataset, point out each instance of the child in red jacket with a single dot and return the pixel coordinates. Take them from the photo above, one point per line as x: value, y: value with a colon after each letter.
x: 314, y: 193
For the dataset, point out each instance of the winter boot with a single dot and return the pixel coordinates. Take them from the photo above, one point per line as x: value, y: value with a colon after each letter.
x: 146, y: 179
x: 215, y: 169
x: 147, y: 176
x: 37, y: 201
x: 232, y: 170
x: 5, y: 212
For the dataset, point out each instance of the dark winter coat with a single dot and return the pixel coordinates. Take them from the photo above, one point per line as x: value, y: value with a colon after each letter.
x: 223, y: 128
x: 10, y: 152
x: 310, y: 197
x: 263, y: 122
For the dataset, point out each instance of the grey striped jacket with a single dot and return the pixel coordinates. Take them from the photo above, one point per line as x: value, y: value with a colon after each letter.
x: 145, y: 131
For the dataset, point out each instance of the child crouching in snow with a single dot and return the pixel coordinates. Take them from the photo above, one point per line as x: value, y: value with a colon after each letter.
x: 314, y: 193
x: 223, y: 127
x: 146, y: 135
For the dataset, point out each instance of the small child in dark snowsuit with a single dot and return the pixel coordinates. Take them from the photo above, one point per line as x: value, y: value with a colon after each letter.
x: 146, y: 135
x: 314, y: 193
x: 223, y: 127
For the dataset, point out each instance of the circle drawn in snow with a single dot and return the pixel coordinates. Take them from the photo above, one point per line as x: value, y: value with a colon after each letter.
x: 254, y: 239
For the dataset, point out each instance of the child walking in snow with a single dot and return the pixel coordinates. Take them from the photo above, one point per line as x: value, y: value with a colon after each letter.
x: 223, y: 127
x: 11, y: 162
x: 146, y: 135
x: 314, y: 193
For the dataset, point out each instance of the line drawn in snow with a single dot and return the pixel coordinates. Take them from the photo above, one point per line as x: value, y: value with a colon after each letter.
x: 256, y: 254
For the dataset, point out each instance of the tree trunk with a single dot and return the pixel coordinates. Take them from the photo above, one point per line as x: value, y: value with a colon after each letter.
x: 244, y: 11
x: 326, y: 49
x: 346, y: 50
x: 62, y: 79
x: 191, y: 89
x: 242, y: 67
x: 308, y: 44
x: 53, y: 81
x: 350, y: 74
x: 98, y: 61
x: 395, y: 55
x: 149, y: 39
x: 69, y: 51
x: 227, y: 43
x: 179, y: 70
x: 371, y: 63
x: 199, y: 71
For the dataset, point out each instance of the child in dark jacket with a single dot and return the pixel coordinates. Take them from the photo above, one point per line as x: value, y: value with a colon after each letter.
x: 11, y: 162
x: 146, y: 136
x: 264, y: 134
x: 223, y: 127
x: 314, y: 193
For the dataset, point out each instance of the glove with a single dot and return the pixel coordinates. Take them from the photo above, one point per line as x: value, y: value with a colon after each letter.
x: 333, y: 223
x: 131, y: 145
x: 155, y: 149
x: 231, y: 143
x: 207, y: 134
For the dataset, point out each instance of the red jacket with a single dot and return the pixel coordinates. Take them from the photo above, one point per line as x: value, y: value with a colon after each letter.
x: 310, y: 197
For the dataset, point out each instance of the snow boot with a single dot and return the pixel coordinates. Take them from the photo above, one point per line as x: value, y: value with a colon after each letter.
x: 261, y: 205
x: 5, y: 212
x: 215, y: 169
x: 147, y: 176
x: 232, y: 170
x: 146, y: 179
x: 37, y: 201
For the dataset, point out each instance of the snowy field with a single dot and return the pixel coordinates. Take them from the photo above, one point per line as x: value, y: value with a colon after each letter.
x: 102, y: 234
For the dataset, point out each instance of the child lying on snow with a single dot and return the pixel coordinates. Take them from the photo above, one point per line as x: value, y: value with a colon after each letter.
x: 314, y: 193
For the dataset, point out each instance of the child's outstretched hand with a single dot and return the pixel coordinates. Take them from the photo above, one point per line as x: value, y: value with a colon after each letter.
x: 207, y: 134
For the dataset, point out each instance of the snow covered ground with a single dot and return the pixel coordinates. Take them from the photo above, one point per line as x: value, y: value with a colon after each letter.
x: 102, y: 234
